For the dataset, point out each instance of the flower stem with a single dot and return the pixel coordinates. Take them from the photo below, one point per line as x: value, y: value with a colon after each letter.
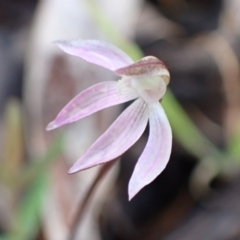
x: 82, y: 206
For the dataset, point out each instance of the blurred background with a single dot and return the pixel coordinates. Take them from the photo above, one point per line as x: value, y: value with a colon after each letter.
x: 196, y: 196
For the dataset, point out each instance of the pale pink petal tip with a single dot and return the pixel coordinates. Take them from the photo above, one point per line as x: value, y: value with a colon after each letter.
x: 134, y: 189
x: 52, y: 125
x: 132, y: 194
x: 60, y: 43
x: 72, y: 170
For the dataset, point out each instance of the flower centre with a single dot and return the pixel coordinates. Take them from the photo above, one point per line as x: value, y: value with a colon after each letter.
x: 150, y: 88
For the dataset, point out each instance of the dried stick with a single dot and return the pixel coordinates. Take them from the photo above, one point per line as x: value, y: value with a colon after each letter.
x: 82, y: 206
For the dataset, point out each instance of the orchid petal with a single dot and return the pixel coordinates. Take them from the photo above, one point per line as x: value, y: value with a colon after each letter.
x: 97, y: 52
x: 119, y: 137
x: 156, y: 153
x: 93, y: 99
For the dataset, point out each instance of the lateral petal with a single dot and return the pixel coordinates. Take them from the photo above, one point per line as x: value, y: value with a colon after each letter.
x: 119, y: 137
x: 97, y: 52
x: 156, y: 153
x: 93, y: 99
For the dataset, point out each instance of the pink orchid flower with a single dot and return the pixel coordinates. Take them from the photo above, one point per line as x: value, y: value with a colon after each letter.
x: 145, y: 81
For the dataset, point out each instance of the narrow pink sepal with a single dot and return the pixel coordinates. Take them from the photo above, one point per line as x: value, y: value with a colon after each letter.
x: 156, y: 153
x: 93, y: 99
x: 119, y: 137
x: 97, y: 52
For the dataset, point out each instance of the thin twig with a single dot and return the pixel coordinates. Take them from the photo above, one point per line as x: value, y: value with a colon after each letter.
x: 82, y: 206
